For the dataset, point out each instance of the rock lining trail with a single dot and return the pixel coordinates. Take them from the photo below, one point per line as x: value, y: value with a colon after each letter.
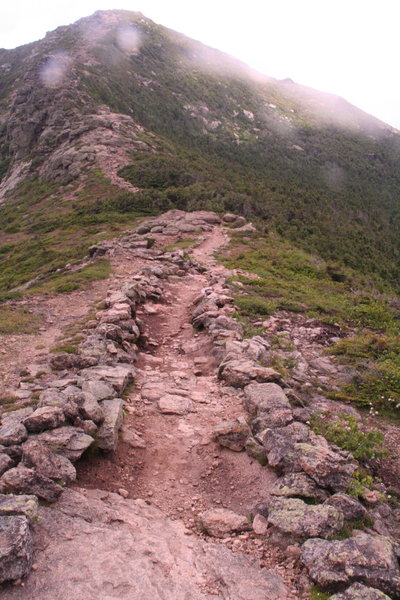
x: 173, y: 509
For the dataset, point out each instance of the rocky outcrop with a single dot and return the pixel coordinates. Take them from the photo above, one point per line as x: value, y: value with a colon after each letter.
x: 16, y: 547
x: 358, y: 591
x: 364, y: 558
x: 150, y: 557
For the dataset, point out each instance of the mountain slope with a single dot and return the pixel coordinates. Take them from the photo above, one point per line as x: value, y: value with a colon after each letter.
x: 116, y: 95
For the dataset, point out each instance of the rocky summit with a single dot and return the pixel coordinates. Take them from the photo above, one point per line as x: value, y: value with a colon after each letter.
x: 199, y: 323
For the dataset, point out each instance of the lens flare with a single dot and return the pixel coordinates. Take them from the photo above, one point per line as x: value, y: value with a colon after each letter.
x: 129, y: 39
x: 53, y: 71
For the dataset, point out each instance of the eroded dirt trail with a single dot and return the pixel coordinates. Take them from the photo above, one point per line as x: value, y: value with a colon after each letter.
x: 171, y: 413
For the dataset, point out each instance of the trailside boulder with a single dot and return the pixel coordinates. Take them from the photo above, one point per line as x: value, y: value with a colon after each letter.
x: 68, y: 441
x: 364, y: 558
x: 218, y: 522
x: 36, y: 455
x: 297, y: 520
x: 232, y: 434
x: 16, y: 548
x: 263, y: 397
x: 12, y: 429
x: 21, y: 480
x: 107, y: 434
x: 298, y: 485
x: 239, y: 373
x: 351, y: 508
x: 26, y: 505
x: 47, y: 417
x: 358, y: 591
x: 118, y: 376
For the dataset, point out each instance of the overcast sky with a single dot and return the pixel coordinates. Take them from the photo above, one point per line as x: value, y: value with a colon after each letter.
x: 347, y: 47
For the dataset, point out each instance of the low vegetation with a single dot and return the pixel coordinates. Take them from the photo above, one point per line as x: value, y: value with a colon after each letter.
x: 344, y: 431
x: 272, y: 275
x: 18, y: 320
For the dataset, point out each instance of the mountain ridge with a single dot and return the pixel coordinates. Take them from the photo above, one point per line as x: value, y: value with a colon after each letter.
x: 114, y: 89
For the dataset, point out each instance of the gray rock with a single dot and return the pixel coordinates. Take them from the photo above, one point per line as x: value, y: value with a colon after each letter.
x: 255, y: 449
x: 358, y: 591
x: 16, y: 548
x: 47, y: 417
x: 27, y: 506
x: 327, y: 467
x: 298, y: 485
x: 36, y: 455
x: 6, y: 462
x: 363, y: 558
x: 59, y: 362
x: 351, y: 508
x: 278, y: 417
x: 119, y: 376
x: 107, y: 434
x: 101, y: 390
x: 218, y: 522
x: 232, y: 434
x: 263, y: 397
x: 296, y: 520
x: 70, y: 442
x: 90, y: 409
x: 239, y: 373
x: 21, y: 480
x: 12, y: 429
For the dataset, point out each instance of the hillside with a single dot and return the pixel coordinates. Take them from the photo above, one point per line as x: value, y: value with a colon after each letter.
x: 116, y: 116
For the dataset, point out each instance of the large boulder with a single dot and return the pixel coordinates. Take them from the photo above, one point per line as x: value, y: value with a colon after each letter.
x: 263, y: 397
x: 118, y: 376
x: 351, y: 508
x: 48, y: 417
x: 240, y: 372
x: 21, y: 480
x: 218, y: 522
x: 364, y: 558
x: 101, y: 390
x: 298, y: 485
x: 358, y: 591
x: 16, y: 548
x: 329, y: 468
x: 232, y: 434
x: 90, y: 409
x: 26, y: 505
x: 6, y: 462
x: 107, y: 434
x: 36, y: 455
x: 294, y: 519
x: 12, y: 429
x: 68, y: 441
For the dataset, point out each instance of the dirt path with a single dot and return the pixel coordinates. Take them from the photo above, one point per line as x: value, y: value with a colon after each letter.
x: 166, y: 453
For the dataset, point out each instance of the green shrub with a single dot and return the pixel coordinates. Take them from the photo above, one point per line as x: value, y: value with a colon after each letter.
x: 344, y: 431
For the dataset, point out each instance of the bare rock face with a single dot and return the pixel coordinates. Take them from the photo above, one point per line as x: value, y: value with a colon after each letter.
x: 364, y: 558
x: 118, y: 376
x: 22, y: 480
x: 48, y: 417
x: 295, y: 519
x: 217, y: 522
x: 232, y: 434
x: 360, y: 592
x: 16, y: 549
x: 127, y: 549
x: 36, y: 455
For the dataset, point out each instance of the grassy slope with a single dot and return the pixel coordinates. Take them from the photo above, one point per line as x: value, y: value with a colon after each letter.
x: 291, y: 279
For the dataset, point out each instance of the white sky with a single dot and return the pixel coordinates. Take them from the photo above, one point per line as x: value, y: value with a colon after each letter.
x: 347, y: 47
